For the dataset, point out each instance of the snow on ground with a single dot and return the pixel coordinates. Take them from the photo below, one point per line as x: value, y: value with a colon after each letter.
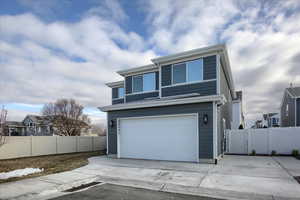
x: 20, y: 172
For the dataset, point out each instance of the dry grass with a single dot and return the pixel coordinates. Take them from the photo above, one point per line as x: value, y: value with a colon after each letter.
x: 51, y: 164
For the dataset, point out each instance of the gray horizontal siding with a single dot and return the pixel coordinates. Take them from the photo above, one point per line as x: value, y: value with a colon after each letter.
x: 166, y: 75
x: 142, y: 96
x: 298, y: 112
x: 205, y: 130
x: 156, y: 80
x: 128, y: 84
x: 114, y: 93
x: 204, y: 88
x: 210, y: 67
x: 288, y: 119
x: 117, y: 101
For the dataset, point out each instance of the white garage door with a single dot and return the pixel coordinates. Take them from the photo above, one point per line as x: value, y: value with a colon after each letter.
x: 173, y: 138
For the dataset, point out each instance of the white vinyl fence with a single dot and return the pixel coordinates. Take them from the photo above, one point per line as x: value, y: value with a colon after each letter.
x: 263, y: 141
x: 26, y: 146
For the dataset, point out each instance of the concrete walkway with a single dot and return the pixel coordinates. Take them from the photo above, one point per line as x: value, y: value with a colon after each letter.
x: 235, y: 177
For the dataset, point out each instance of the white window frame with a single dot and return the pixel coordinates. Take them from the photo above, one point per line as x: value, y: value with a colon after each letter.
x: 142, y: 92
x: 187, y: 74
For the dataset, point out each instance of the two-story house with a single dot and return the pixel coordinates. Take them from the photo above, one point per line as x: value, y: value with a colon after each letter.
x: 174, y: 109
x: 290, y: 107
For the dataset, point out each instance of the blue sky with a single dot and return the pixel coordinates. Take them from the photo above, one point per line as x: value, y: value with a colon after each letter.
x: 69, y: 48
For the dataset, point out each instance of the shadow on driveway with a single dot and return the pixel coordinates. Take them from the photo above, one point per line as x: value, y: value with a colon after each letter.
x: 115, y: 192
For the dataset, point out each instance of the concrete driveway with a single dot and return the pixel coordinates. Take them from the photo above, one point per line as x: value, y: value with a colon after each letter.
x: 233, y: 177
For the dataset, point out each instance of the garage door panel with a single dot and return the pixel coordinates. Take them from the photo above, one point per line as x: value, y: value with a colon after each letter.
x: 159, y: 138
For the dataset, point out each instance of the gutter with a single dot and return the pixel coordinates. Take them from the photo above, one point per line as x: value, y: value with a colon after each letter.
x: 220, y: 99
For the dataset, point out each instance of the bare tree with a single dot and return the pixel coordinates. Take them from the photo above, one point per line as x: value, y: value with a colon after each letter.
x: 66, y: 116
x: 3, y: 116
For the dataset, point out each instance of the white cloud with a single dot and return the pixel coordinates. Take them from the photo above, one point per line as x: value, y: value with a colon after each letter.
x: 262, y: 38
x: 41, y: 67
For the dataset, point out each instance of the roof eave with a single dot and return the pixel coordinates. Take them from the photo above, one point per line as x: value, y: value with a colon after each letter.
x: 140, y: 69
x: 115, y: 84
x: 213, y: 98
x: 194, y: 52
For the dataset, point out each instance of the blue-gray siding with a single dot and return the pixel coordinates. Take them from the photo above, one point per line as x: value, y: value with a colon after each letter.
x: 141, y: 96
x: 128, y: 84
x: 225, y: 111
x: 205, y: 130
x: 209, y: 70
x: 204, y: 88
x: 116, y: 101
x: 114, y: 93
x: 166, y: 72
x: 287, y: 118
x: 298, y: 112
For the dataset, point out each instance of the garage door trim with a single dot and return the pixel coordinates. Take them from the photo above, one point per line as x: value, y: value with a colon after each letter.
x: 157, y: 116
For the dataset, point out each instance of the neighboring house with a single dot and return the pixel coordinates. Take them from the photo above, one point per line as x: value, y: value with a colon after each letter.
x: 238, y: 118
x: 38, y: 125
x: 15, y: 128
x: 258, y: 124
x: 290, y: 107
x: 174, y: 109
x: 271, y: 120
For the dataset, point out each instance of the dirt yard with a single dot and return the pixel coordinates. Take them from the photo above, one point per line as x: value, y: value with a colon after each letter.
x: 51, y: 164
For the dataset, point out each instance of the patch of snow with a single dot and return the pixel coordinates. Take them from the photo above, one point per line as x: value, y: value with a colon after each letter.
x: 20, y: 172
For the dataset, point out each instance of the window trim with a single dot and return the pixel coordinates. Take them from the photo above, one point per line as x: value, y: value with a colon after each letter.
x: 187, y: 74
x: 142, y: 92
x: 189, y: 83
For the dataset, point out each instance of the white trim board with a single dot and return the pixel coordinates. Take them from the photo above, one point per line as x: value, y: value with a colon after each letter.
x: 188, y: 83
x: 158, y: 103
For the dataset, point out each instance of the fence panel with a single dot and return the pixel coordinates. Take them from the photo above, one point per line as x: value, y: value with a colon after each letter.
x: 16, y: 147
x: 284, y: 140
x: 42, y: 145
x: 26, y: 146
x: 263, y: 141
x: 258, y: 141
x: 237, y: 142
x: 66, y: 144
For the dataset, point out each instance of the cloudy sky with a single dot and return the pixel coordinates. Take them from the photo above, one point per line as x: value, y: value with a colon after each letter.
x: 51, y: 49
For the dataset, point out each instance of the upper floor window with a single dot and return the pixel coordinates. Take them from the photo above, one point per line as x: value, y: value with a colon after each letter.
x: 144, y: 82
x: 187, y: 72
x: 120, y: 92
x: 287, y: 110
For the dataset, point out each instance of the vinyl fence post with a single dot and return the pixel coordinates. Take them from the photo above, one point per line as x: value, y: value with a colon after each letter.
x: 56, y: 138
x: 269, y: 142
x: 31, y: 147
x: 93, y: 146
x: 248, y: 141
x: 77, y: 143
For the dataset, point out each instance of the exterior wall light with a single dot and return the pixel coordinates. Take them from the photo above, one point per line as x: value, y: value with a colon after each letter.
x: 205, y: 118
x: 111, y: 123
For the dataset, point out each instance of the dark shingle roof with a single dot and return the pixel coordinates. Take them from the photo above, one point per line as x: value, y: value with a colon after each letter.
x: 294, y: 91
x: 14, y: 123
x: 39, y: 119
